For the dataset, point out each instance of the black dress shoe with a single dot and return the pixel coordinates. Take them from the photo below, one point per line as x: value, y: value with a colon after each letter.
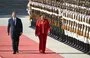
x: 14, y: 52
x: 17, y: 51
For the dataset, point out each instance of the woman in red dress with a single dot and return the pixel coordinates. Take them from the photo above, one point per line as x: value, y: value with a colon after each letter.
x: 42, y: 28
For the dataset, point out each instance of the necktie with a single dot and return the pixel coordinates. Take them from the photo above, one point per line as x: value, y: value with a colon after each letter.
x: 14, y: 21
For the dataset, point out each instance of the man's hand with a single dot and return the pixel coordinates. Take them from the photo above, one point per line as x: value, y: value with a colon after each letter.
x: 20, y: 33
x: 36, y: 35
x: 8, y: 33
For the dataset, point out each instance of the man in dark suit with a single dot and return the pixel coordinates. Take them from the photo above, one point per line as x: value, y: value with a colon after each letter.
x: 15, y: 28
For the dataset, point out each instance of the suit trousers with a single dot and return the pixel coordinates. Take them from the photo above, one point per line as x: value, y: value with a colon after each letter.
x: 15, y: 43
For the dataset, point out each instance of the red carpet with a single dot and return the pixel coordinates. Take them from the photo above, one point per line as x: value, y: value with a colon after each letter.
x: 28, y: 48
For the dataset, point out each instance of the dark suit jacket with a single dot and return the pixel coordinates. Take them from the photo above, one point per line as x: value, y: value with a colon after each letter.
x: 15, y: 29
